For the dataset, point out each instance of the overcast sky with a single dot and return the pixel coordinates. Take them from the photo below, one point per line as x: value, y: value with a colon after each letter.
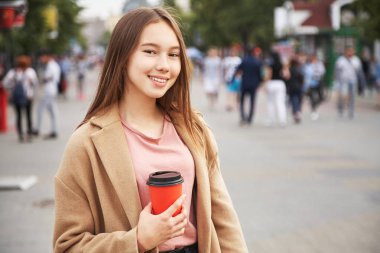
x: 102, y: 8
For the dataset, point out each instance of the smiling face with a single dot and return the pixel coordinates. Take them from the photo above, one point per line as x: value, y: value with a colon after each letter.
x: 155, y: 63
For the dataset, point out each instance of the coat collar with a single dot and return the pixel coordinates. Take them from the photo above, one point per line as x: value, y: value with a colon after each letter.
x: 111, y: 144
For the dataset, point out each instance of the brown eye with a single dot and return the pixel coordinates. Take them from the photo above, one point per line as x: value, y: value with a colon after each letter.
x: 174, y: 55
x: 150, y: 52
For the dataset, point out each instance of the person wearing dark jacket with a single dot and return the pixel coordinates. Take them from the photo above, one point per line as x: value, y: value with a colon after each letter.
x: 294, y: 82
x: 250, y: 69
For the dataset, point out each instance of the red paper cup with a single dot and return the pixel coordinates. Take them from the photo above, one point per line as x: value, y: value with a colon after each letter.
x: 165, y: 187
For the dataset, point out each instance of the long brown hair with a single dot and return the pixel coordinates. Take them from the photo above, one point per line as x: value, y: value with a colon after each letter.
x: 124, y: 40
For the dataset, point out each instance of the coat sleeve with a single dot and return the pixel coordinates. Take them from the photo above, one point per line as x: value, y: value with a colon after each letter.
x: 224, y: 216
x: 74, y: 228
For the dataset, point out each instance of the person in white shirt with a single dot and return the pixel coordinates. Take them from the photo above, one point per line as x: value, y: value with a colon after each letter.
x: 347, y: 68
x: 212, y: 76
x: 22, y: 80
x: 230, y: 64
x: 314, y: 72
x: 50, y: 81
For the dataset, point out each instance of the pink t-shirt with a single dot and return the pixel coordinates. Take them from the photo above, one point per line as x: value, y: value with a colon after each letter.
x: 167, y: 152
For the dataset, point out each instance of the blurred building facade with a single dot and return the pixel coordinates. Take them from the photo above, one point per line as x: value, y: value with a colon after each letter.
x: 313, y: 23
x: 93, y: 30
x: 322, y: 27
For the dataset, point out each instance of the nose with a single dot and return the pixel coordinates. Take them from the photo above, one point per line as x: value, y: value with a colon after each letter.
x: 162, y: 63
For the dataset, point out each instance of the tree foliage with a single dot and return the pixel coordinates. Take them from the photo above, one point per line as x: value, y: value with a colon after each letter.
x: 370, y: 25
x: 68, y: 25
x: 33, y: 34
x: 36, y: 34
x: 223, y: 22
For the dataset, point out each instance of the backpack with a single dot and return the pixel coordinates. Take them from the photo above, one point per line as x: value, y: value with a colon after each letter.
x: 18, y: 95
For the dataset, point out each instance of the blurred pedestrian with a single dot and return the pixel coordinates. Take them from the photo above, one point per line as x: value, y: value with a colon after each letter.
x: 377, y: 78
x: 250, y: 71
x: 230, y: 64
x: 293, y: 76
x: 22, y: 81
x: 196, y: 57
x: 371, y: 75
x: 64, y: 64
x: 51, y: 76
x: 347, y: 68
x: 276, y: 91
x: 212, y: 76
x: 3, y: 99
x: 140, y: 122
x: 81, y: 68
x: 314, y: 71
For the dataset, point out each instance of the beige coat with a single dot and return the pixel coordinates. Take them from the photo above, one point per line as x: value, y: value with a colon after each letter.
x: 97, y: 199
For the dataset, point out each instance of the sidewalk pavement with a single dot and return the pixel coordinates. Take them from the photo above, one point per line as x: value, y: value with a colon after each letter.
x: 306, y: 188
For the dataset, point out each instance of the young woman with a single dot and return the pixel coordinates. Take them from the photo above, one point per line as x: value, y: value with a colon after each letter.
x: 140, y: 122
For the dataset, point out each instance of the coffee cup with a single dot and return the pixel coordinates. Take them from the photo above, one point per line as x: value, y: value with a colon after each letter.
x: 165, y: 187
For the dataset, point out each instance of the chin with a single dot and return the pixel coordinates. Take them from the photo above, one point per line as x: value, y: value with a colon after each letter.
x: 157, y: 95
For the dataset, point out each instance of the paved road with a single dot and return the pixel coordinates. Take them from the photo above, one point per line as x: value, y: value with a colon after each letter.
x: 306, y: 188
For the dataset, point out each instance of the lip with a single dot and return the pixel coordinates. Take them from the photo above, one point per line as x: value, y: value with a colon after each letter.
x: 158, y: 81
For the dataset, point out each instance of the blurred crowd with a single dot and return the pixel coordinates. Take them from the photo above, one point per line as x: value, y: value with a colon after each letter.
x: 288, y: 81
x: 41, y: 82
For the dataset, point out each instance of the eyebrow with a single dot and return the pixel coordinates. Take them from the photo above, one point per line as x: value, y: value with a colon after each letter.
x: 155, y: 45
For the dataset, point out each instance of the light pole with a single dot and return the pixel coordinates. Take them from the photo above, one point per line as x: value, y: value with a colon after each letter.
x: 289, y: 9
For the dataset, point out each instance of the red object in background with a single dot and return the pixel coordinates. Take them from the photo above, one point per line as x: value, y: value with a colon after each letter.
x: 3, y: 110
x: 7, y: 16
x: 19, y: 20
x: 12, y: 13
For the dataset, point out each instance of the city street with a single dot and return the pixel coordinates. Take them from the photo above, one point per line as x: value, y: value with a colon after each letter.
x: 308, y: 188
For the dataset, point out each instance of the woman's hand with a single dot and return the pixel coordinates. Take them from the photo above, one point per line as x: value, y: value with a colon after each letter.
x: 152, y: 230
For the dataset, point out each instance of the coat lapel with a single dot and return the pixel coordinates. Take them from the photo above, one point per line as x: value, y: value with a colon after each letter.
x: 203, y: 196
x: 112, y: 147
